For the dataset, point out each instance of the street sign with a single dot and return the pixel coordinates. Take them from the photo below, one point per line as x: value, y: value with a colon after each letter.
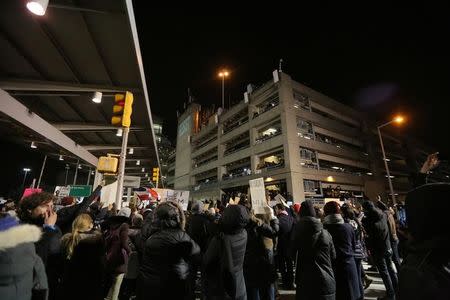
x: 80, y: 190
x: 132, y: 181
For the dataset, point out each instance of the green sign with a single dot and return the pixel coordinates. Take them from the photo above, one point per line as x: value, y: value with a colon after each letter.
x: 80, y: 190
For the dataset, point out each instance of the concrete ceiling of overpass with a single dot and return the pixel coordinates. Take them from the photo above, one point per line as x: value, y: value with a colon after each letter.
x: 53, y: 64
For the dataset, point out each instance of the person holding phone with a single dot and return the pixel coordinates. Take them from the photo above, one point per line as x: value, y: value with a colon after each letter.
x: 38, y: 209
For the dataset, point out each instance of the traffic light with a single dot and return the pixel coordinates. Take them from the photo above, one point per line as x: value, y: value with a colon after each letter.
x: 122, y: 109
x: 155, y: 176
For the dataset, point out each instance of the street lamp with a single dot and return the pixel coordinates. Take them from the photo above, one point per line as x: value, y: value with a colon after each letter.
x: 26, y: 170
x: 398, y: 120
x: 223, y: 74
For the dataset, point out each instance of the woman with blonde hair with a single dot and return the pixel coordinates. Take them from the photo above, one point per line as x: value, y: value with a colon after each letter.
x: 84, y: 267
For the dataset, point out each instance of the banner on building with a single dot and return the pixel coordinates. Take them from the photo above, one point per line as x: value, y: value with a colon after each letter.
x: 258, y: 195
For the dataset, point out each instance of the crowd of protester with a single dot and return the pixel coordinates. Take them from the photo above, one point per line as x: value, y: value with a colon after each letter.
x: 92, y: 251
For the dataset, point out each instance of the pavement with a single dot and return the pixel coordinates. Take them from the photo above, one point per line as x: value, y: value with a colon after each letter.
x: 375, y: 290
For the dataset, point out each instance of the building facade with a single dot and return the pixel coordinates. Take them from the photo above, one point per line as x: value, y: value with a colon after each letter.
x: 304, y: 145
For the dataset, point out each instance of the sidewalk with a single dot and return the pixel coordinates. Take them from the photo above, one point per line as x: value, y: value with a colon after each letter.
x: 375, y: 290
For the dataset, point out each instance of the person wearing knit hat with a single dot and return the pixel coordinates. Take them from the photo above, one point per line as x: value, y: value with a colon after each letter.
x: 124, y: 212
x: 67, y: 201
x: 348, y: 282
x: 307, y: 209
x: 296, y: 208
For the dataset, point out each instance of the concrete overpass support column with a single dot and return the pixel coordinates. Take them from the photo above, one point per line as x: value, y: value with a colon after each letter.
x: 294, y: 184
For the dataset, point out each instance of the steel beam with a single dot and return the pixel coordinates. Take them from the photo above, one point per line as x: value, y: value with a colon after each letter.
x: 112, y: 147
x: 16, y: 110
x: 76, y: 127
x: 55, y: 86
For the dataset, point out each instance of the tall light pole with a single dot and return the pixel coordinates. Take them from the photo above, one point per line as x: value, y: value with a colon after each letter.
x: 223, y: 74
x: 67, y: 172
x: 26, y: 170
x: 398, y: 120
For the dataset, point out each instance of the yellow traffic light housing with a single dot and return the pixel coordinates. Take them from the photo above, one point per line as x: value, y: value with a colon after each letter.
x: 122, y: 109
x: 155, y: 176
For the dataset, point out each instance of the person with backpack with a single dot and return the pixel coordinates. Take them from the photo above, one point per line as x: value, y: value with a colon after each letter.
x: 117, y: 251
x: 224, y: 259
x: 314, y: 247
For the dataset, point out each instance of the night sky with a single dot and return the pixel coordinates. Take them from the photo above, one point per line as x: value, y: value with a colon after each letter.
x: 378, y: 59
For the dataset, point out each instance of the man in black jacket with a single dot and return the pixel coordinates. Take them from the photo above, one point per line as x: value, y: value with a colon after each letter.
x: 378, y: 242
x: 284, y: 261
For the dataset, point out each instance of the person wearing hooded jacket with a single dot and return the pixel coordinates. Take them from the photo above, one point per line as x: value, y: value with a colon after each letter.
x: 313, y: 244
x: 22, y: 273
x: 379, y: 245
x: 425, y: 272
x: 224, y: 259
x: 164, y: 270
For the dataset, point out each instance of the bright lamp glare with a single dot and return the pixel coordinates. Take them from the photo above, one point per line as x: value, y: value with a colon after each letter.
x: 37, y: 7
x: 399, y: 119
x: 97, y: 97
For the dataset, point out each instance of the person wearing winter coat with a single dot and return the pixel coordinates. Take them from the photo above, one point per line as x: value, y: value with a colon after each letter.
x: 349, y: 216
x: 379, y: 244
x: 84, y: 261
x: 164, y: 270
x: 348, y: 282
x: 38, y: 209
x: 259, y: 267
x: 313, y: 244
x: 117, y: 250
x: 284, y: 262
x: 199, y: 225
x: 224, y: 259
x: 425, y: 272
x: 392, y: 231
x: 22, y: 273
